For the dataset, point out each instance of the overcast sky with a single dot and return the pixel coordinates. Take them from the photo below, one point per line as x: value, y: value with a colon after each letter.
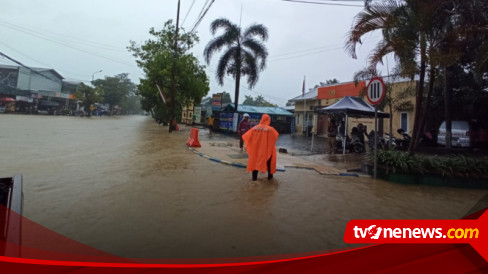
x: 80, y: 37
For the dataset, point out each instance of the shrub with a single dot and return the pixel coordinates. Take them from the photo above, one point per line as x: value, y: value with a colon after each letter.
x: 453, y: 165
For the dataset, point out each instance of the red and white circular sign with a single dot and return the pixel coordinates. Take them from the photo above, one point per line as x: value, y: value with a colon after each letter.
x: 376, y: 90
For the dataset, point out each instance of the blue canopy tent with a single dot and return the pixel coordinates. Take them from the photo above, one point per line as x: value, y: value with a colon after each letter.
x: 351, y: 107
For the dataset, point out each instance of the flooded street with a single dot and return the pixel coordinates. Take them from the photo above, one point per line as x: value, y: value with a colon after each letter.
x: 127, y: 187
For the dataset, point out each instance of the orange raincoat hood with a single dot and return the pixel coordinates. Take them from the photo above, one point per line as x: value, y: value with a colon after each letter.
x: 261, y: 145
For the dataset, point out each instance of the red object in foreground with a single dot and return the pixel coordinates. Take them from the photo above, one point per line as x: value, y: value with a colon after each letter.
x: 45, y: 251
x: 193, y: 140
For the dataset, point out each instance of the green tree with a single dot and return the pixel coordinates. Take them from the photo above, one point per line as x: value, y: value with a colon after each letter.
x: 116, y: 89
x: 226, y: 97
x: 244, y: 55
x: 258, y: 102
x: 249, y: 101
x: 425, y: 36
x: 406, y: 27
x: 88, y: 96
x: 156, y: 57
x: 132, y: 104
x: 326, y: 83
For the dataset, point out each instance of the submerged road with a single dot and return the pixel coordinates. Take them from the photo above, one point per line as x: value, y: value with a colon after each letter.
x: 127, y: 187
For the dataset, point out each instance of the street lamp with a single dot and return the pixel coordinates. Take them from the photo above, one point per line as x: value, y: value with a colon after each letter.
x: 93, y: 75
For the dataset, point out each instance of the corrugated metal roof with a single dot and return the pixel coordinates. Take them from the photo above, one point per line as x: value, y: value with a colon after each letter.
x: 311, y: 95
x: 267, y: 110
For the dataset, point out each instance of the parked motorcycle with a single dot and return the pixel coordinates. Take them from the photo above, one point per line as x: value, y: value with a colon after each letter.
x: 403, y: 143
x: 380, y: 144
x: 386, y: 141
x: 353, y: 145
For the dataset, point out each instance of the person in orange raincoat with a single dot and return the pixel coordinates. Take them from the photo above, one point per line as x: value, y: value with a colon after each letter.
x: 261, y: 147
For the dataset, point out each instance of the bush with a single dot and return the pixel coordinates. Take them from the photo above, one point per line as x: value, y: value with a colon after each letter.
x: 453, y: 165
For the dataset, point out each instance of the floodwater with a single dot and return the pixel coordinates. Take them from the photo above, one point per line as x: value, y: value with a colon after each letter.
x: 127, y: 187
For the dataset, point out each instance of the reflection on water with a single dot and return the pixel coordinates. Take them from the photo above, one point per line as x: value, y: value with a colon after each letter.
x: 126, y: 186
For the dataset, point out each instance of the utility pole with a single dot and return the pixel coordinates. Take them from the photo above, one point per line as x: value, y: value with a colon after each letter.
x: 173, y: 76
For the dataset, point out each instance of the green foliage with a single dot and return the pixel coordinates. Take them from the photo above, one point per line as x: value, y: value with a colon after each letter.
x: 244, y: 55
x: 326, y: 83
x: 132, y: 104
x: 156, y: 58
x: 453, y: 165
x: 258, y: 102
x: 226, y: 97
x: 88, y: 95
x: 116, y: 89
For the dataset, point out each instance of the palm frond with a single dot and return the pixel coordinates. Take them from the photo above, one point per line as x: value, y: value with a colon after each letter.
x: 258, y: 49
x: 225, y: 62
x: 256, y: 30
x: 382, y: 49
x: 213, y: 46
x: 223, y: 23
x: 250, y: 68
x: 372, y: 18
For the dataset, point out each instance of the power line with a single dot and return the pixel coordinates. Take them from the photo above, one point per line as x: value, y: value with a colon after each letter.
x: 256, y: 92
x: 39, y: 62
x: 34, y: 71
x: 323, y: 3
x: 114, y: 59
x: 53, y: 35
x: 200, y: 14
x: 191, y: 6
x: 201, y: 17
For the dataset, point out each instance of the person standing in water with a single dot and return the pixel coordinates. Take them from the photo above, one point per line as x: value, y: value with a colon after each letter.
x: 243, y: 127
x: 260, y: 144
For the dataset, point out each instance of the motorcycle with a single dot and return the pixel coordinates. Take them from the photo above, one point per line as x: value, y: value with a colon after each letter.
x: 381, y: 142
x: 403, y: 143
x: 353, y: 145
x: 386, y: 141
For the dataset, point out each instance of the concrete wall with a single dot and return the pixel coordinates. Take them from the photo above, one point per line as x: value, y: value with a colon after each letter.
x: 397, y: 89
x: 311, y: 120
x: 29, y: 80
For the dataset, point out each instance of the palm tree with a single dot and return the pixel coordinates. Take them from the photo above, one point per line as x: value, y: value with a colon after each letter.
x: 406, y: 26
x: 244, y: 55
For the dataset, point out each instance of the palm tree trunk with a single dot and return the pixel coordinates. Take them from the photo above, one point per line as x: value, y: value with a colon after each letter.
x: 427, y: 102
x: 390, y: 140
x: 419, y: 95
x: 447, y: 105
x: 238, y: 78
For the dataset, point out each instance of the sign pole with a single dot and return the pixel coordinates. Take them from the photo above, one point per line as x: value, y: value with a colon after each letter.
x: 376, y: 93
x: 375, y: 139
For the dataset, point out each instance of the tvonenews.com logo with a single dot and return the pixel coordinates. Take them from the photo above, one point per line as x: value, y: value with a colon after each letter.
x: 467, y: 231
x: 374, y: 232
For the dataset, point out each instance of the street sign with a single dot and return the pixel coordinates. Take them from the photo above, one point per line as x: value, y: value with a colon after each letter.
x: 376, y: 90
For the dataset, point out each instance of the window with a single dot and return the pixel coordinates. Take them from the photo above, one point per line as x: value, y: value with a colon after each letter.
x: 404, y: 121
x: 298, y: 119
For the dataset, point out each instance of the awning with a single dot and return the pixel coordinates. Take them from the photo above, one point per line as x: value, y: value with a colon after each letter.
x: 48, y: 103
x: 352, y: 107
x: 7, y: 99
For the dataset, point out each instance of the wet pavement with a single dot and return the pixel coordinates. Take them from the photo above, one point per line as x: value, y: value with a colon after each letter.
x: 128, y: 187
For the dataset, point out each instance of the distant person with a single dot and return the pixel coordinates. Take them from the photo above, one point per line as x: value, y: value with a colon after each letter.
x: 341, y: 129
x: 261, y: 146
x: 361, y: 132
x: 243, y: 127
x: 174, y: 125
x: 331, y: 136
x: 210, y: 125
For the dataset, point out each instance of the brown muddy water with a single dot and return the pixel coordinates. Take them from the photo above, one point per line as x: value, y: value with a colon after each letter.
x: 127, y: 187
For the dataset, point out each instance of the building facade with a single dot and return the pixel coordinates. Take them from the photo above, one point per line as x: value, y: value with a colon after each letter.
x: 403, y: 114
